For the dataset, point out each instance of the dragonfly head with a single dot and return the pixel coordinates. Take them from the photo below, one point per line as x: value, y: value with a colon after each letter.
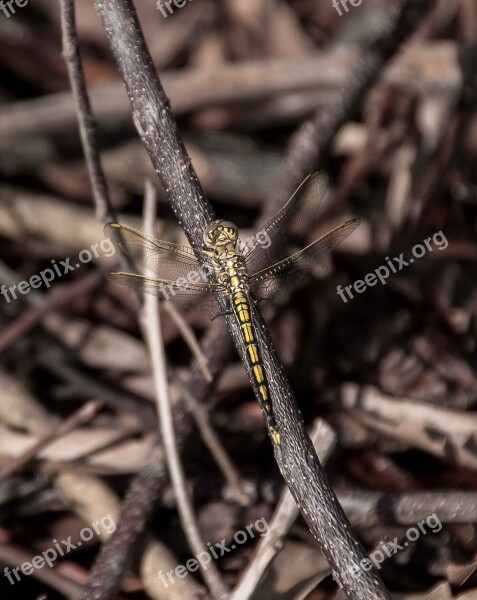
x: 220, y: 233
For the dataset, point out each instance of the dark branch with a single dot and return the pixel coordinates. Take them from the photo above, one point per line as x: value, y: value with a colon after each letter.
x: 295, y: 455
x: 87, y: 122
x: 144, y: 492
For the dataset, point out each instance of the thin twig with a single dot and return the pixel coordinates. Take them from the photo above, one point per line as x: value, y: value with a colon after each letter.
x: 87, y: 123
x: 152, y: 327
x: 189, y: 337
x: 90, y: 384
x: 115, y: 554
x: 52, y: 301
x: 14, y: 555
x: 211, y: 440
x: 80, y: 417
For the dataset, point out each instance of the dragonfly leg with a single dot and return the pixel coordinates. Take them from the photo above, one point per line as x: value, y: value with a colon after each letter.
x: 258, y: 301
x: 221, y: 314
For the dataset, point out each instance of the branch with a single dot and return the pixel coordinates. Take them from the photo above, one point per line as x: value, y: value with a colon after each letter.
x: 295, y: 455
x: 286, y: 513
x: 310, y: 143
x: 152, y: 327
x: 87, y: 122
x: 428, y: 68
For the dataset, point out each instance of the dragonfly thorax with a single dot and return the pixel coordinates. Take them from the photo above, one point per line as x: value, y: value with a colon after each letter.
x: 231, y: 272
x: 222, y: 239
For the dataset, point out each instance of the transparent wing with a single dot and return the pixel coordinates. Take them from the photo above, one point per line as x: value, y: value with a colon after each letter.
x: 184, y: 292
x: 280, y: 235
x: 168, y: 261
x: 268, y: 284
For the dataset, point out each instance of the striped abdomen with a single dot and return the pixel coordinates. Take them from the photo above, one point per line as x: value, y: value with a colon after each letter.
x: 242, y: 311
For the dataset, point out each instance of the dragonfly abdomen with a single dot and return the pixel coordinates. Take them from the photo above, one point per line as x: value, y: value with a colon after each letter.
x: 242, y: 310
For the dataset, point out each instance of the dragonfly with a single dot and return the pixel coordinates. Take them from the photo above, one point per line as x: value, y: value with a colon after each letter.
x: 245, y: 276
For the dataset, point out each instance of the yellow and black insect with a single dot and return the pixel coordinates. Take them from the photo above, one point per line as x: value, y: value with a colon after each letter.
x: 239, y: 274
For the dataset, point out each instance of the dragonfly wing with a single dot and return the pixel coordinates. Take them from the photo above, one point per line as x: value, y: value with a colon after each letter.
x: 181, y: 291
x: 269, y: 284
x: 168, y: 261
x: 275, y: 239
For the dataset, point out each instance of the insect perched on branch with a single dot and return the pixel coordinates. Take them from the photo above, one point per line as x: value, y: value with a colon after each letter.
x: 243, y: 276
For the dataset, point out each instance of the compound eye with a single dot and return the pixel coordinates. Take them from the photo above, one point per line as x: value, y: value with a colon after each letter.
x: 209, y: 231
x: 231, y: 226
